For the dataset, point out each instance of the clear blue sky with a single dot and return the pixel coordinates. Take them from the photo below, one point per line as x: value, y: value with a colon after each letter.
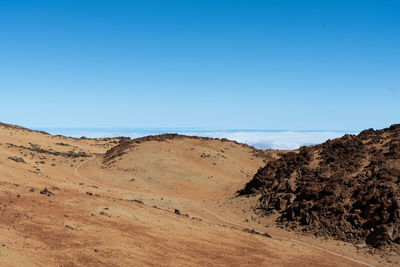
x: 225, y: 64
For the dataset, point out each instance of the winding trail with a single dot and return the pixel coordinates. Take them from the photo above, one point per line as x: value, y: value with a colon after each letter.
x: 218, y: 216
x: 84, y: 178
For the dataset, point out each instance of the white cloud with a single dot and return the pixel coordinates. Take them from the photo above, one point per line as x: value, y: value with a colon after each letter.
x: 275, y: 140
x: 259, y: 139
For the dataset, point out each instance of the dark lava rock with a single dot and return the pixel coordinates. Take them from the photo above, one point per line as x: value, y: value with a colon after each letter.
x: 177, y: 212
x: 137, y: 201
x: 45, y: 191
x: 104, y: 214
x: 17, y: 159
x: 347, y: 188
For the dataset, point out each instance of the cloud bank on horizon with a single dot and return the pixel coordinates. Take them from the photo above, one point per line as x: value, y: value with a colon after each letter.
x: 282, y: 140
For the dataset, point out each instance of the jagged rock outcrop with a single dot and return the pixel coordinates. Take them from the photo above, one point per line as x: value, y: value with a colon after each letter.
x: 347, y: 188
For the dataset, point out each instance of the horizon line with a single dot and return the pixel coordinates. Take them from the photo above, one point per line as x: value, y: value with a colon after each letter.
x: 194, y: 129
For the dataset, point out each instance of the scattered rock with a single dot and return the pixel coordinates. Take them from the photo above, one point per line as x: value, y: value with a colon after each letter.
x: 252, y: 231
x: 45, y: 191
x: 70, y: 227
x: 17, y: 159
x: 137, y: 201
x: 104, y: 214
x: 177, y: 212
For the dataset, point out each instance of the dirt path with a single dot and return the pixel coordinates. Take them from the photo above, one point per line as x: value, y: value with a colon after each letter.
x: 195, y: 204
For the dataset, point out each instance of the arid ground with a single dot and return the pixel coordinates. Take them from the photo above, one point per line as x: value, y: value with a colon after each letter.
x: 159, y: 201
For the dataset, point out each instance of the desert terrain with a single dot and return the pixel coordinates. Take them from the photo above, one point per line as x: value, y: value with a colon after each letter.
x: 166, y: 200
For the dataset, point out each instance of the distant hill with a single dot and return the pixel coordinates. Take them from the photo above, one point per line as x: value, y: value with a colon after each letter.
x: 347, y: 188
x: 185, y: 165
x: 127, y: 143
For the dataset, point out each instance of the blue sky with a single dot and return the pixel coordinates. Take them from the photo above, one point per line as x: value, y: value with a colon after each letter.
x: 296, y: 65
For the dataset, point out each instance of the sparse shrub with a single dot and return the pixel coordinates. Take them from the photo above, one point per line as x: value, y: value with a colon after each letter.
x: 62, y: 144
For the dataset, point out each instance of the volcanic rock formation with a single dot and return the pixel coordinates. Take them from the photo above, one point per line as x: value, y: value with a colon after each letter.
x: 347, y: 188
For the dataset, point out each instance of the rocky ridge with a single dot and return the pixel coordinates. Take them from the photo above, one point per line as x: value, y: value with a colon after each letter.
x: 347, y: 188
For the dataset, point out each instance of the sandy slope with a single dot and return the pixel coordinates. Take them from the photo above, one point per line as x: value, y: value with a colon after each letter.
x: 121, y: 211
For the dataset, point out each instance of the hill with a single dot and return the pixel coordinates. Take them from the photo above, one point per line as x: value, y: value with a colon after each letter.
x: 182, y: 165
x: 347, y: 188
x: 159, y: 200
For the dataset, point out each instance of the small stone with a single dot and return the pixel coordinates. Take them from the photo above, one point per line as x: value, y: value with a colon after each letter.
x: 45, y: 191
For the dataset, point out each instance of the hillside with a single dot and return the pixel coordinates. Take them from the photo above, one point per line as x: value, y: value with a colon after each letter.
x: 165, y: 200
x: 173, y: 164
x: 347, y: 188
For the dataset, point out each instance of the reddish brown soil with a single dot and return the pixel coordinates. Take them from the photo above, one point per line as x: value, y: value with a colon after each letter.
x: 162, y: 202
